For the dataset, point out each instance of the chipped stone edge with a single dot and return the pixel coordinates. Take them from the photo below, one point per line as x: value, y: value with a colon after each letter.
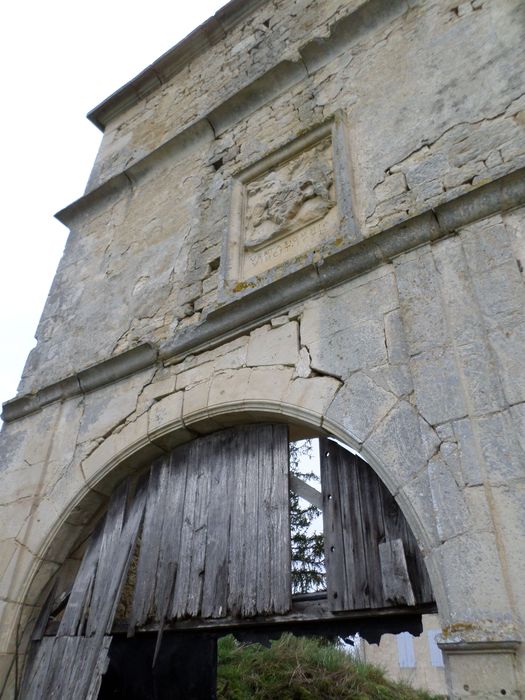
x: 238, y: 317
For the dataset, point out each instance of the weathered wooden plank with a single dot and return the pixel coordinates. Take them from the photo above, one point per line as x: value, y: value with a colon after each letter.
x: 111, y: 536
x: 215, y: 585
x: 66, y: 667
x: 373, y: 529
x: 266, y: 546
x: 337, y: 549
x: 358, y: 518
x: 78, y: 604
x: 396, y: 527
x: 352, y: 516
x: 238, y: 543
x: 397, y: 589
x: 145, y: 583
x: 181, y: 590
x: 256, y: 554
x: 278, y: 526
x: 170, y: 553
x: 198, y: 553
x: 120, y: 535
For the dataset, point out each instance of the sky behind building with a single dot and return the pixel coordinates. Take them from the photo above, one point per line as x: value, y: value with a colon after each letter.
x: 59, y: 60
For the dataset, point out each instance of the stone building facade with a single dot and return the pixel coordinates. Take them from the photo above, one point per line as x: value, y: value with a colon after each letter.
x: 309, y: 212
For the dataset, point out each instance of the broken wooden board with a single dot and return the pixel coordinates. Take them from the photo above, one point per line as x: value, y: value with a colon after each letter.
x: 66, y: 667
x: 360, y: 516
x: 216, y: 536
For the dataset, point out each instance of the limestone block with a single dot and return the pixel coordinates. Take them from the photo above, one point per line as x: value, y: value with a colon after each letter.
x: 313, y: 395
x: 509, y: 347
x: 234, y: 359
x: 129, y: 446
x: 487, y: 244
x: 230, y: 386
x: 480, y: 377
x: 403, y: 442
x: 27, y: 441
x: 195, y: 411
x: 158, y: 389
x: 274, y: 346
x: 64, y: 439
x: 473, y: 596
x: 501, y: 295
x: 509, y: 503
x: 391, y: 186
x: 166, y: 411
x: 361, y: 300
x: 472, y: 469
x: 396, y: 344
x: 438, y: 387
x: 266, y: 384
x: 14, y: 570
x: 425, y: 175
x: 215, y: 355
x: 499, y: 446
x: 109, y: 406
x: 396, y: 379
x: 517, y: 414
x: 355, y: 347
x: 360, y: 405
x: 482, y: 675
x: 415, y: 500
x: 302, y: 367
x: 420, y: 300
x: 451, y: 513
x: 195, y: 375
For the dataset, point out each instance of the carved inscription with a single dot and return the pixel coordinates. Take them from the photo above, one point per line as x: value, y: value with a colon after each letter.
x: 289, y: 209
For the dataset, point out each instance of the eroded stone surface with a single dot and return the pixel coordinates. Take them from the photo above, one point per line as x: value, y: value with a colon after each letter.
x: 416, y: 358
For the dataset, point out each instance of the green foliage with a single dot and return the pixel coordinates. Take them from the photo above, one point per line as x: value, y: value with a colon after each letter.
x: 302, y: 668
x: 308, y: 569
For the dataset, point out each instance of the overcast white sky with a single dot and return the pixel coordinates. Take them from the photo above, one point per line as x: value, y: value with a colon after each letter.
x: 59, y: 59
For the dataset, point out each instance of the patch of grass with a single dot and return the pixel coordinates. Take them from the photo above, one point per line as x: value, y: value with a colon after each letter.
x: 302, y: 668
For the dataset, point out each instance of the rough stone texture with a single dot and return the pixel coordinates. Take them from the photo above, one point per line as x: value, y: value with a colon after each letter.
x: 416, y: 359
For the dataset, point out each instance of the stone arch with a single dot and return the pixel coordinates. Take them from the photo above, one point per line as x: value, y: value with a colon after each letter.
x: 136, y: 445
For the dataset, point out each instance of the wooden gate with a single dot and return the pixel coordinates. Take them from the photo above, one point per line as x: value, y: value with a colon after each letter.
x: 202, y: 541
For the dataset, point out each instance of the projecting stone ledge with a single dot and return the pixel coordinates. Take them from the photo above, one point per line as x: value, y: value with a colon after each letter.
x: 257, y: 303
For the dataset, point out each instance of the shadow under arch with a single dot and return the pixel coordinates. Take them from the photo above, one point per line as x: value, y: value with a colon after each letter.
x: 134, y: 455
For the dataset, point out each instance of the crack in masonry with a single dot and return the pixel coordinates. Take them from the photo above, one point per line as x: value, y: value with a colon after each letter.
x: 430, y: 144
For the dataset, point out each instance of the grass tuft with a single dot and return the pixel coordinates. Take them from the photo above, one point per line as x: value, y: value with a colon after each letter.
x: 302, y: 668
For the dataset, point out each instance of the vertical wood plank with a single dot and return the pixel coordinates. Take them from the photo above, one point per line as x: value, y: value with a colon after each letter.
x: 278, y: 525
x: 397, y: 589
x: 72, y: 622
x: 238, y: 542
x: 339, y: 574
x: 216, y: 585
x: 187, y: 531
x: 148, y: 561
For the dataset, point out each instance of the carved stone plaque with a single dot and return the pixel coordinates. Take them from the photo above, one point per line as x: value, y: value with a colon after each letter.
x: 283, y: 208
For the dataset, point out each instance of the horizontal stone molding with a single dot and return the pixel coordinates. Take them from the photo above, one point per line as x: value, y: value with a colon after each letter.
x: 492, y: 645
x: 238, y: 105
x: 171, y: 62
x: 94, y: 377
x: 255, y: 306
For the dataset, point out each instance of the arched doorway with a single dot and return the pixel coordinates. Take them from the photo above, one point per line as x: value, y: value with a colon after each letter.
x: 198, y: 545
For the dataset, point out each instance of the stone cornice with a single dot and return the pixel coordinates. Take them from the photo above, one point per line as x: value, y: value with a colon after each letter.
x: 255, y: 307
x: 171, y: 62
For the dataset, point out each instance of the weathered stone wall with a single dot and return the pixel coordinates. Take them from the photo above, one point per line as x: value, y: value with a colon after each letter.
x: 421, y: 132
x: 402, y: 333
